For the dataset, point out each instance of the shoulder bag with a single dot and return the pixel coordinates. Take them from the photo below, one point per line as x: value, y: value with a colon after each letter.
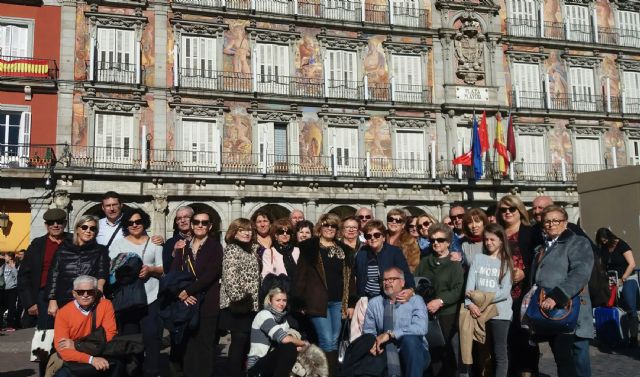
x: 343, y: 340
x: 435, y: 337
x: 559, y: 320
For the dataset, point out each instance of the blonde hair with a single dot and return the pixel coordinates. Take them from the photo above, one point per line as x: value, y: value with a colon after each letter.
x: 514, y: 201
x: 272, y: 292
x: 83, y: 220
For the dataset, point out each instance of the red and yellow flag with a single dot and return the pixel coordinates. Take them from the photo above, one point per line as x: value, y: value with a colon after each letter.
x: 500, y: 147
x: 24, y: 67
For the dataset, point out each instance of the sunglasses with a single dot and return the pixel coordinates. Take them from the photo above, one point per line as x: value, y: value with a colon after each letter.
x: 424, y: 225
x: 375, y: 235
x: 449, y: 223
x: 505, y: 209
x: 201, y: 222
x: 55, y: 222
x: 457, y: 217
x: 412, y: 226
x: 395, y: 220
x: 85, y: 292
x: 135, y: 222
x: 327, y: 225
x: 364, y: 217
x: 438, y: 240
x: 87, y: 227
x: 281, y: 232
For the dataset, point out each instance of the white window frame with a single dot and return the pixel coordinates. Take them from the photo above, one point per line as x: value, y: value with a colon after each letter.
x: 19, y: 152
x: 587, y: 160
x: 583, y: 89
x: 628, y: 27
x: 524, y: 16
x: 411, y: 152
x: 272, y: 68
x: 341, y: 73
x: 631, y: 95
x: 406, y: 12
x: 199, y: 142
x: 634, y: 151
x: 127, y: 150
x: 198, y: 61
x: 527, y: 84
x: 408, y: 78
x: 578, y: 23
x: 117, y: 55
x: 29, y: 24
x: 345, y: 145
x: 531, y: 151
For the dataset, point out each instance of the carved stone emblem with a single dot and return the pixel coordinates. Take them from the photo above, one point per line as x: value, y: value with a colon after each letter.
x: 469, y: 46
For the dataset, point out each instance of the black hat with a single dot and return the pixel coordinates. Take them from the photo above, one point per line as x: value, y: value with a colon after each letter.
x: 55, y: 214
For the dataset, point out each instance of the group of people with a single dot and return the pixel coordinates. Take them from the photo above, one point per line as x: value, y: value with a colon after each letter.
x: 419, y: 296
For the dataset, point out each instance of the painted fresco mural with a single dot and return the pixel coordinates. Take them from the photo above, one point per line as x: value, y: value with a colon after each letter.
x: 310, y: 137
x: 236, y: 142
x: 377, y: 139
x: 237, y: 48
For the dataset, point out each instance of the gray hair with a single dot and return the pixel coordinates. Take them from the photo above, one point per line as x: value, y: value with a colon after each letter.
x: 396, y: 269
x: 85, y: 279
x: 181, y: 208
x: 82, y: 220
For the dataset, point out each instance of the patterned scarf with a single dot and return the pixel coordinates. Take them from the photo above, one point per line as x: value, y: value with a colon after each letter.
x: 287, y: 257
x: 277, y: 316
x: 390, y: 348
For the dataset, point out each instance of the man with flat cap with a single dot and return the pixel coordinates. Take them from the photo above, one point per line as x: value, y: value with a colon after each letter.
x: 32, y: 275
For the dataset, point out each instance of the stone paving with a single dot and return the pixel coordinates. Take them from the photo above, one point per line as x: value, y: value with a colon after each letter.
x: 14, y: 359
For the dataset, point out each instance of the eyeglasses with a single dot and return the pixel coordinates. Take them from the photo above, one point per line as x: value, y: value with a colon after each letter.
x: 391, y: 279
x: 350, y: 227
x: 201, y: 222
x: 554, y: 222
x: 91, y: 228
x: 505, y: 209
x: 85, y: 292
x: 438, y: 240
x: 135, y: 222
x: 183, y: 218
x: 281, y: 232
x: 395, y: 220
x: 375, y: 235
x: 410, y: 227
x: 55, y: 222
x: 364, y: 217
x: 332, y: 226
x: 247, y: 230
x: 448, y: 223
x: 457, y: 217
x: 425, y: 225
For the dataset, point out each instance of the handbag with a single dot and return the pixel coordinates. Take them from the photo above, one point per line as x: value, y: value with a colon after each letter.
x: 435, y: 337
x: 559, y: 320
x: 94, y: 343
x: 343, y: 340
x: 41, y: 344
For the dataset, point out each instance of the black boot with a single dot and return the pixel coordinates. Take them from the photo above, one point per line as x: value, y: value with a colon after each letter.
x: 332, y: 362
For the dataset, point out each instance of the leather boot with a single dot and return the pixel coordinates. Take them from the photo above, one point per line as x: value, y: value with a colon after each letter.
x: 332, y: 362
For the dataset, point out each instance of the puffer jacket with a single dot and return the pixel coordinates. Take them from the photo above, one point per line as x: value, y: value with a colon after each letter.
x: 71, y: 261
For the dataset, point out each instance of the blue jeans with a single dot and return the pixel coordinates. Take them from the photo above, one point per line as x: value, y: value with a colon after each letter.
x: 581, y: 357
x: 413, y: 355
x: 630, y: 304
x: 328, y: 328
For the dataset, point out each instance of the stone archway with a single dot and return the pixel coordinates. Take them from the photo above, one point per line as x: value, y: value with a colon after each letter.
x: 414, y: 211
x: 215, y: 218
x: 276, y: 211
x: 343, y: 211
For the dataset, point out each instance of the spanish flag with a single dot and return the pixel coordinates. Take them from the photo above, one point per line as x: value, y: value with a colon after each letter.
x: 24, y: 67
x: 500, y: 147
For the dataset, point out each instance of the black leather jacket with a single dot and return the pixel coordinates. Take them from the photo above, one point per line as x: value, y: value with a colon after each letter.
x: 72, y: 261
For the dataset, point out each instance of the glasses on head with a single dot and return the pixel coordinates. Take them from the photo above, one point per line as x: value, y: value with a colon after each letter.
x: 395, y: 220
x: 85, y: 292
x: 554, y: 222
x: 87, y: 227
x: 457, y: 217
x: 438, y: 240
x: 364, y: 217
x: 376, y: 235
x: 201, y: 222
x: 391, y: 279
x: 505, y: 209
x: 332, y: 226
x: 55, y: 222
x: 281, y: 232
x: 424, y: 225
x: 134, y: 222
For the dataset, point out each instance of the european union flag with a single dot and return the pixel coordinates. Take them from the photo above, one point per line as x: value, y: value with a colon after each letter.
x: 477, y: 151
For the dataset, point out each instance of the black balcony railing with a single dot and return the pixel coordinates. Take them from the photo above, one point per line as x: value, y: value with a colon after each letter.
x: 19, y: 67
x: 519, y: 27
x: 116, y: 72
x: 576, y: 102
x: 554, y: 30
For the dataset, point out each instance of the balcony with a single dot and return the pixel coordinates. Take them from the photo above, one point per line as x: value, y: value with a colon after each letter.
x: 577, y: 102
x: 21, y: 71
x: 106, y: 72
x: 27, y: 156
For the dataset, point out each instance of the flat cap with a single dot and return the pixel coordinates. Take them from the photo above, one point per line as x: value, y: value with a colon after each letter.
x: 54, y: 214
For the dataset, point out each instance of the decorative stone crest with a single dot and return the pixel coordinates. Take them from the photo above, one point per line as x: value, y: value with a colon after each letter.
x: 586, y: 130
x: 199, y: 111
x: 342, y: 119
x: 273, y: 36
x: 200, y: 28
x: 469, y: 48
x: 341, y: 43
x: 274, y: 116
x: 116, y: 20
x: 406, y: 48
x: 112, y: 105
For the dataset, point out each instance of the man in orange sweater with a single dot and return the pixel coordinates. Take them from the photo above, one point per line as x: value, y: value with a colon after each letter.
x: 73, y: 322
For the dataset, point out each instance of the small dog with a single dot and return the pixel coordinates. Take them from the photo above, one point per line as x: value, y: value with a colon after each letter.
x: 311, y: 362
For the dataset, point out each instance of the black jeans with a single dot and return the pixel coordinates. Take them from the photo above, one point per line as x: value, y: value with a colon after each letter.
x: 146, y: 321
x: 200, y: 354
x: 444, y: 359
x: 278, y: 362
x: 8, y: 303
x: 562, y: 348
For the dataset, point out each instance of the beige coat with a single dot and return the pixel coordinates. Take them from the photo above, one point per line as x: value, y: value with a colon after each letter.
x: 474, y: 328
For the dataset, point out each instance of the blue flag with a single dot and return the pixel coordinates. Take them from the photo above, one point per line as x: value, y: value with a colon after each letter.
x: 477, y: 151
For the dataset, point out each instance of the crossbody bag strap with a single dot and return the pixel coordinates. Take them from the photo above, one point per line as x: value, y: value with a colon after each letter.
x: 114, y: 234
x: 145, y: 248
x: 93, y: 318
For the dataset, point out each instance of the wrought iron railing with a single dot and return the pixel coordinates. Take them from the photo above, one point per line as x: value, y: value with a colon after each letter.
x: 576, y: 102
x: 116, y: 72
x: 20, y: 67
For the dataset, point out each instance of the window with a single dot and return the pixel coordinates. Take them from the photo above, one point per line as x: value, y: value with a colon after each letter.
x: 14, y: 40
x: 410, y: 152
x: 530, y: 149
x: 406, y: 12
x: 344, y: 145
x: 341, y: 73
x: 526, y: 82
x: 272, y: 68
x: 116, y: 57
x: 200, y: 142
x: 346, y: 10
x: 582, y: 89
x: 587, y: 154
x: 464, y: 133
x: 634, y: 151
x: 114, y: 138
x: 629, y: 28
x: 15, y: 134
x: 407, y: 73
x: 198, y: 62
x: 524, y: 21
x: 281, y: 142
x: 631, y: 92
x: 578, y: 26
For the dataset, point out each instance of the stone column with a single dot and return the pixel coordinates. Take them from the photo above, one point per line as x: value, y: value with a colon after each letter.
x: 380, y: 211
x: 160, y: 73
x: 159, y: 216
x: 310, y: 211
x: 444, y: 209
x: 38, y: 207
x: 66, y: 66
x: 236, y: 209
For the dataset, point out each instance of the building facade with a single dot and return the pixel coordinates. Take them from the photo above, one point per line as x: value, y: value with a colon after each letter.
x: 330, y: 105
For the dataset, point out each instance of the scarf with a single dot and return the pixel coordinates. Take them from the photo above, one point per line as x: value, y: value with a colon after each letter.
x: 287, y: 257
x: 474, y: 239
x: 390, y: 348
x: 277, y: 316
x: 246, y: 246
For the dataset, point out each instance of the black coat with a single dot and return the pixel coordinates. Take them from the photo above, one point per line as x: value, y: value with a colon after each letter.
x: 30, y: 271
x: 72, y: 261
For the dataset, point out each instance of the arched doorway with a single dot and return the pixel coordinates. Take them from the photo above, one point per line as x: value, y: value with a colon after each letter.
x: 276, y: 211
x: 343, y: 211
